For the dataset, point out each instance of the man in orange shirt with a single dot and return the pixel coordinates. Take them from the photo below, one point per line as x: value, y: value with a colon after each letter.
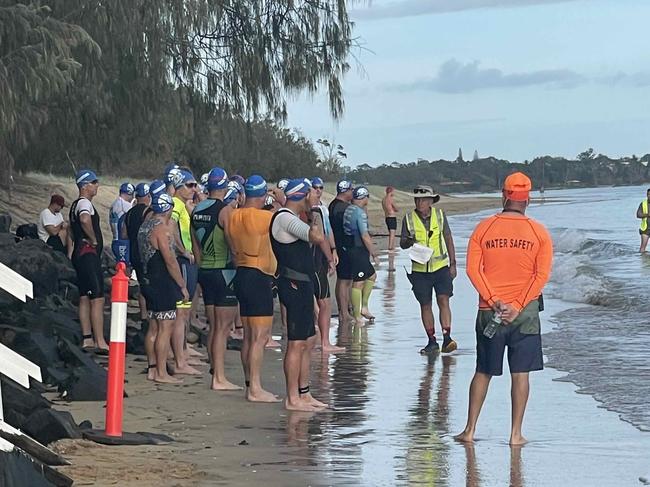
x: 509, y: 259
x: 248, y: 234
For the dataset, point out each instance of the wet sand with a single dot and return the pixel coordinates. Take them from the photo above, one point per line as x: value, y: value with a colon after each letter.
x: 393, y: 418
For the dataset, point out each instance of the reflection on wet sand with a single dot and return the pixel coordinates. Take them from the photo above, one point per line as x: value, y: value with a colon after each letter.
x: 426, y: 457
x: 473, y: 473
x: 340, y: 381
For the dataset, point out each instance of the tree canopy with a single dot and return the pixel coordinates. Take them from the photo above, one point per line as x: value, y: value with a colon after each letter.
x: 131, y: 82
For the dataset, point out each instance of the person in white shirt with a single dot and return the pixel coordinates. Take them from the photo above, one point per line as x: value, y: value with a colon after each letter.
x: 120, y: 206
x: 52, y: 229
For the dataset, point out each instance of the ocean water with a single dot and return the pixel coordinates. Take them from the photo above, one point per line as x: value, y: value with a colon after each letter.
x: 602, y: 337
x: 394, y: 412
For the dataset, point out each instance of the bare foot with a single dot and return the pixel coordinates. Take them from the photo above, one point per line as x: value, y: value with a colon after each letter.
x: 261, y: 396
x: 273, y: 343
x: 360, y: 321
x: 517, y: 440
x: 299, y: 406
x: 367, y: 314
x: 166, y: 379
x: 195, y: 362
x: 193, y: 353
x: 329, y: 348
x: 224, y: 386
x: 151, y: 374
x: 465, y: 437
x: 238, y: 334
x: 186, y: 370
x: 312, y: 401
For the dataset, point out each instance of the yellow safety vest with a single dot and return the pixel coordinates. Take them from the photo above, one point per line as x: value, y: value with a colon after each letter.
x: 644, y: 209
x: 432, y: 238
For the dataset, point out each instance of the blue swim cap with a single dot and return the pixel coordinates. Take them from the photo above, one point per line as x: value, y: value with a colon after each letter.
x: 255, y: 186
x: 217, y: 179
x: 182, y: 177
x: 156, y: 187
x: 171, y: 175
x: 317, y: 182
x: 142, y: 190
x: 282, y: 183
x: 360, y: 192
x: 127, y: 188
x: 162, y: 203
x: 343, y: 186
x: 85, y: 176
x: 234, y: 190
x: 297, y: 189
x: 239, y: 179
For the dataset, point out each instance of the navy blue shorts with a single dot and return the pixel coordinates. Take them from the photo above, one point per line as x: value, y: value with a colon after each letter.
x: 254, y: 291
x: 522, y: 337
x: 424, y: 283
x: 343, y: 268
x: 218, y: 287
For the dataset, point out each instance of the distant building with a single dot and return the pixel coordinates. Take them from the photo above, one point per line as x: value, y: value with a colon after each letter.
x: 460, y: 155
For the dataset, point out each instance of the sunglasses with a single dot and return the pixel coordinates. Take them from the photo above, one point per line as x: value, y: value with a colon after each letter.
x: 422, y: 191
x: 191, y: 185
x: 317, y: 187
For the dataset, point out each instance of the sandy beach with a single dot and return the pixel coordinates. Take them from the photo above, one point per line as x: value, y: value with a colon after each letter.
x: 393, y: 416
x: 393, y: 412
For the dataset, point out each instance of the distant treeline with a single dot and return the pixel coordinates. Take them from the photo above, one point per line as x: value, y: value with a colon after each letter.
x: 487, y: 174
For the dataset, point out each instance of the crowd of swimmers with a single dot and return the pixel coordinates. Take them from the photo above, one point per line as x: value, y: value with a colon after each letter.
x: 240, y: 242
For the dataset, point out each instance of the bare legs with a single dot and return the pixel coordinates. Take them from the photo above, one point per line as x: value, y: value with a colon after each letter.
x: 445, y: 312
x: 84, y: 320
x: 256, y: 332
x: 297, y: 363
x: 342, y: 293
x: 426, y: 313
x: 161, y: 347
x: 477, y: 392
x: 519, y: 396
x: 644, y: 242
x: 391, y: 242
x: 150, y: 347
x: 324, y: 316
x: 178, y: 344
x: 220, y: 318
x: 91, y: 317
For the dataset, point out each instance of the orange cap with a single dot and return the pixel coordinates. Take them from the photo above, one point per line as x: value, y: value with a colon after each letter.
x: 517, y: 186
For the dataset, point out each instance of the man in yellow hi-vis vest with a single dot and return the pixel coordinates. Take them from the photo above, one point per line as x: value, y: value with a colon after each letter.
x: 643, y: 213
x: 426, y: 233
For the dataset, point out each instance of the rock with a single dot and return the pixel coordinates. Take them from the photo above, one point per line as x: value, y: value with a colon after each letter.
x: 17, y: 468
x: 35, y: 261
x: 49, y: 425
x: 5, y: 223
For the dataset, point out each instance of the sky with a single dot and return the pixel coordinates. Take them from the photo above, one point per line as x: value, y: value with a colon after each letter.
x: 514, y: 79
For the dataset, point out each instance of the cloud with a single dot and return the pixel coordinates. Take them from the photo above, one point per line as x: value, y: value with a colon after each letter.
x: 639, y: 79
x: 456, y: 77
x: 408, y: 8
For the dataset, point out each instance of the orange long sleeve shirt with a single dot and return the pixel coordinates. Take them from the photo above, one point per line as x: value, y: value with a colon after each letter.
x: 509, y: 259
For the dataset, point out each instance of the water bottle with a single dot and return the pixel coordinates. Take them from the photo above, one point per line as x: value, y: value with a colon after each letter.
x: 492, y: 326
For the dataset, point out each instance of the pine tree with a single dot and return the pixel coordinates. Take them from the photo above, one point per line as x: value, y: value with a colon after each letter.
x: 36, y: 64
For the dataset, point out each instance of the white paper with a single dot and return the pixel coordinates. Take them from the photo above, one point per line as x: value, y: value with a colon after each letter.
x: 420, y: 254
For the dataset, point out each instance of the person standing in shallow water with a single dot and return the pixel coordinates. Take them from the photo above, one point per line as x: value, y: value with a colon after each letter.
x: 390, y: 212
x: 643, y: 212
x: 509, y: 260
x: 428, y: 228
